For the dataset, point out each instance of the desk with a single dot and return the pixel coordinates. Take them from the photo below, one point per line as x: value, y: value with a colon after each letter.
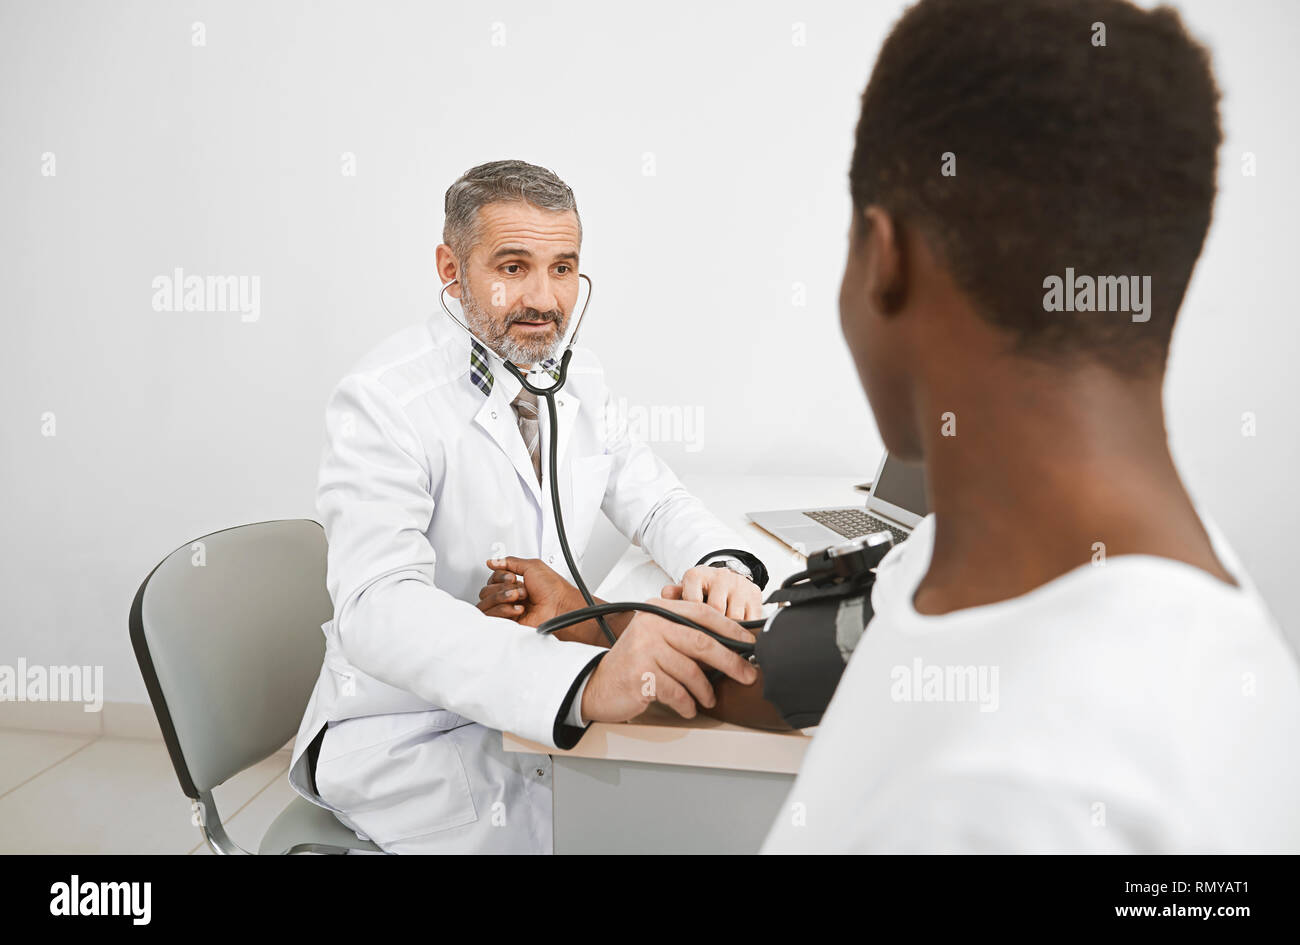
x: 663, y: 784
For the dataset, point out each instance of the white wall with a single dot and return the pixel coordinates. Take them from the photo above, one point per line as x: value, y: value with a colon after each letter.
x: 225, y: 159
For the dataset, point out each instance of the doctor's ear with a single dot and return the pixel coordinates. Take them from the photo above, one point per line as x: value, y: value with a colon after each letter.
x: 448, y: 267
x: 879, y: 240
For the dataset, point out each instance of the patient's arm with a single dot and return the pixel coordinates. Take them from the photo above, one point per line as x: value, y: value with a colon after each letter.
x: 801, y: 658
x: 736, y: 703
x: 745, y: 705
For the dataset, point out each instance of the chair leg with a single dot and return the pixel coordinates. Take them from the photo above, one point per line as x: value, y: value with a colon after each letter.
x: 209, y: 823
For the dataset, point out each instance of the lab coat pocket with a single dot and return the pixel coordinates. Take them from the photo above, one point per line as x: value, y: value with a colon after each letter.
x: 590, y: 477
x: 407, y: 785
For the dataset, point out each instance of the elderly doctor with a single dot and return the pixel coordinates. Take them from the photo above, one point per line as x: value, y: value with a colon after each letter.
x: 432, y: 469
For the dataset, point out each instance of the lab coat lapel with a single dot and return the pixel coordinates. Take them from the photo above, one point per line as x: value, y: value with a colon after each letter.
x: 566, y: 406
x: 498, y: 419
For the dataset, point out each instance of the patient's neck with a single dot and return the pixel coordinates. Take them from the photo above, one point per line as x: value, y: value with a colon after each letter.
x: 1048, y: 469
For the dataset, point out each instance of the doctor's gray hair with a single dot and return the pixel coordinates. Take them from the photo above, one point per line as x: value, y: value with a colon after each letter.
x: 495, y: 182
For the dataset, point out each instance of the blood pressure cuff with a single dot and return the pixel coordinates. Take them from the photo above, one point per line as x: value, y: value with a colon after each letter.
x: 803, y: 652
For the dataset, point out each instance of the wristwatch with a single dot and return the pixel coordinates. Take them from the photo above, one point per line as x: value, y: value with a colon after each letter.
x: 738, y: 560
x: 732, y: 564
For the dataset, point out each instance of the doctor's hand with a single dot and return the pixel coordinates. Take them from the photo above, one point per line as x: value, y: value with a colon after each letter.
x: 656, y: 660
x: 722, y: 589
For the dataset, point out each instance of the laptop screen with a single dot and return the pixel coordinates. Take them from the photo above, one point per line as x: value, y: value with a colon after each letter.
x: 901, y: 484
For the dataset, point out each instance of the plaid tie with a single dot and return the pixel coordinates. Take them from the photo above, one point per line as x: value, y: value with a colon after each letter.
x: 525, y: 404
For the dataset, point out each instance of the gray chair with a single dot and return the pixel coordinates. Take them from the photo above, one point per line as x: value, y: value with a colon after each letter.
x: 226, y: 630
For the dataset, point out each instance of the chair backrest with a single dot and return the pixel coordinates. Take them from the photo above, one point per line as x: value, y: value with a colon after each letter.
x: 227, y: 632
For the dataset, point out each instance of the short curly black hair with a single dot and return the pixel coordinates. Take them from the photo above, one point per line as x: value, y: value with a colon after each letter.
x: 1068, y: 153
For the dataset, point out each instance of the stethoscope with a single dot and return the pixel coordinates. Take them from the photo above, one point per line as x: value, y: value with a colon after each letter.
x: 551, y: 390
x: 548, y: 394
x: 592, y: 610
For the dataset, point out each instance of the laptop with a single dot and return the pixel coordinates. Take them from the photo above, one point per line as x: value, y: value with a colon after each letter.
x: 896, y: 504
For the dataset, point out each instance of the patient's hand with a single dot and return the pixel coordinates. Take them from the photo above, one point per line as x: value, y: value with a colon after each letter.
x: 527, y: 590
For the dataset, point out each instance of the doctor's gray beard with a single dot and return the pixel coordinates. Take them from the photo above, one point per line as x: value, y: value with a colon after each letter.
x: 497, y: 337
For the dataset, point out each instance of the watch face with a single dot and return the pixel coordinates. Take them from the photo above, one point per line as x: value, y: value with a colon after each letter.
x: 734, y: 564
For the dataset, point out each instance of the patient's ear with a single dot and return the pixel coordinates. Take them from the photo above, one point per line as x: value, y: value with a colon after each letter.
x: 448, y: 269
x: 886, y: 275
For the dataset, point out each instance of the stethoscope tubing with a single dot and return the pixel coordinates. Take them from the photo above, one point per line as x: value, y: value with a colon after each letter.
x: 552, y: 446
x: 592, y: 610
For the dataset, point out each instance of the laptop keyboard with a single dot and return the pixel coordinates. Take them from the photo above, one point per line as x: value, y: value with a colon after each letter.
x: 851, y: 523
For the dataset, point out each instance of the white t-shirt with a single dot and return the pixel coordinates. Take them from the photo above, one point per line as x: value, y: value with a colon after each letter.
x: 1136, y: 706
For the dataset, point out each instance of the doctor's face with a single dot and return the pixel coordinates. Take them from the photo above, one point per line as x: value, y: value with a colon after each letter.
x: 519, y: 284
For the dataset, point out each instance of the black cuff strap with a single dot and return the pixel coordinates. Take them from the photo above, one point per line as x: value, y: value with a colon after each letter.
x: 564, y: 735
x: 755, y: 566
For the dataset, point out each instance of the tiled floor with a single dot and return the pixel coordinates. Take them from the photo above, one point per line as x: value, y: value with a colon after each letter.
x: 96, y: 794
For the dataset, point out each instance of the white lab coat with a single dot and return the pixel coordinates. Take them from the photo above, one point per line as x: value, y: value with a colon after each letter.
x: 423, y: 478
